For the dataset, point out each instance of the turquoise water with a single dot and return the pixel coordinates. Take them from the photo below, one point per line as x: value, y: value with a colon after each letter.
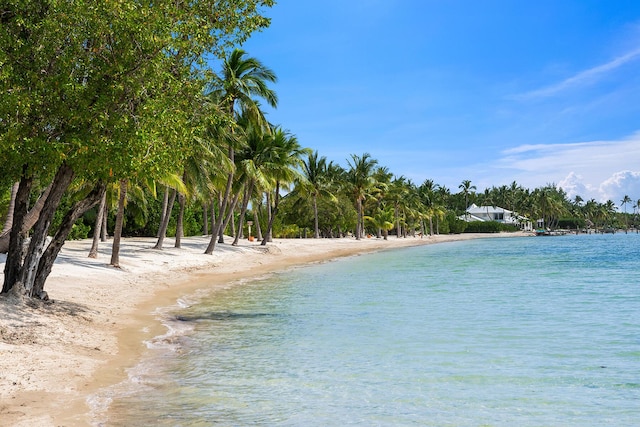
x: 495, y: 332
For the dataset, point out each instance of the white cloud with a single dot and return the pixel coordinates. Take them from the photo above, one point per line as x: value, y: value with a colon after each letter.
x: 582, y: 78
x: 574, y: 186
x: 601, y: 170
x: 620, y: 184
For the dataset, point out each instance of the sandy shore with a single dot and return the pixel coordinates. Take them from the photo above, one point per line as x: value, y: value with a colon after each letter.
x: 56, y: 354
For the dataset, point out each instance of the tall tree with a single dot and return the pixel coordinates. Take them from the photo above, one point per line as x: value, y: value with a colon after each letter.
x: 243, y: 79
x: 626, y: 199
x: 284, y: 163
x: 82, y: 84
x: 360, y: 180
x: 466, y: 189
x: 316, y: 183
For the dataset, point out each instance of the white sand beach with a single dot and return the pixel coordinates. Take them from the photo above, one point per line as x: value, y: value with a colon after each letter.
x: 57, y: 353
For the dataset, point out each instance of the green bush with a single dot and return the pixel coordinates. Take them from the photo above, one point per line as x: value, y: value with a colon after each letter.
x: 489, y: 227
x: 455, y: 225
x: 79, y: 231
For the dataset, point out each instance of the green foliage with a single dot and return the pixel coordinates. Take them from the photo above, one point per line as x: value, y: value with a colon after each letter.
x: 489, y: 227
x: 455, y: 225
x: 571, y: 223
x: 79, y: 231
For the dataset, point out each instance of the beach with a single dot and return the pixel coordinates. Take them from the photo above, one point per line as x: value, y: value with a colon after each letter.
x: 57, y: 353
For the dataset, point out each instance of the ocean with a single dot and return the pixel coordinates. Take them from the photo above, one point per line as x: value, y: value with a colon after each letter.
x: 532, y: 331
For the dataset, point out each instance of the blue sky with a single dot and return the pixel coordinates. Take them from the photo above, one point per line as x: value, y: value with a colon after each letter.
x: 490, y: 91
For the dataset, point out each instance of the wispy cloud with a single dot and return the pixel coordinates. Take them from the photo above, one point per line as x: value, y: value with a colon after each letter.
x: 582, y: 78
x: 598, y: 169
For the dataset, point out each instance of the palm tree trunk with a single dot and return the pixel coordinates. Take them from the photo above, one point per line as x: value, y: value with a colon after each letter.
x: 117, y: 232
x: 162, y: 232
x: 222, y: 206
x: 205, y: 219
x: 243, y: 210
x: 180, y: 221
x: 359, y: 222
x: 256, y: 221
x: 104, y: 231
x: 269, y: 207
x: 97, y: 229
x: 165, y: 203
x: 316, y: 230
x: 213, y: 214
x: 276, y: 198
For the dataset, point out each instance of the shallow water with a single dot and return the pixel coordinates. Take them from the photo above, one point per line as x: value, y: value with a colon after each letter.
x: 493, y: 332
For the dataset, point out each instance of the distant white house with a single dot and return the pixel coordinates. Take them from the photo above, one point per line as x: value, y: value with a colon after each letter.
x: 495, y: 213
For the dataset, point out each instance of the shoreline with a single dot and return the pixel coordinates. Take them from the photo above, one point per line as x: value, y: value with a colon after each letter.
x: 57, y: 354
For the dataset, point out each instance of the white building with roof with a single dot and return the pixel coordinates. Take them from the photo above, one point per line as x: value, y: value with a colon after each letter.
x: 495, y: 213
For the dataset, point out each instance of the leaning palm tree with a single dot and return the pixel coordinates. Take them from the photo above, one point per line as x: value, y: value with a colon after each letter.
x: 283, y: 167
x: 251, y: 163
x: 243, y: 78
x: 360, y: 180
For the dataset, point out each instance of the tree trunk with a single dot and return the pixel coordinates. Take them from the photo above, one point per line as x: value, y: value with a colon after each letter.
x: 269, y: 207
x: 97, y: 230
x: 29, y: 220
x: 222, y: 206
x: 6, y: 228
x: 52, y: 251
x: 243, y: 210
x: 162, y: 232
x: 61, y: 182
x: 316, y: 230
x: 358, y: 222
x: 165, y: 203
x: 117, y: 232
x: 232, y: 229
x: 179, y: 223
x: 13, y: 262
x: 205, y: 219
x: 104, y: 231
x: 276, y: 201
x: 230, y: 213
x: 256, y: 221
x: 213, y: 214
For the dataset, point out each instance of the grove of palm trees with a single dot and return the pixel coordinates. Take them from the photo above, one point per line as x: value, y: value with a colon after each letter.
x: 110, y: 130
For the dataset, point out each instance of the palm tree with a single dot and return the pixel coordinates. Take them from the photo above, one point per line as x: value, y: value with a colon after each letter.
x: 243, y: 78
x: 360, y: 180
x: 488, y: 201
x: 626, y: 199
x: 383, y: 220
x: 283, y: 168
x: 251, y: 163
x: 397, y: 195
x: 316, y: 182
x: 466, y: 189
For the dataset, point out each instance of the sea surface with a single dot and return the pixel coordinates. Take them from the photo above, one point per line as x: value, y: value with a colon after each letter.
x: 533, y: 331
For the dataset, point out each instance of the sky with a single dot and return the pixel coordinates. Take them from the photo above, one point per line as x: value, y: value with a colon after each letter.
x: 494, y: 91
